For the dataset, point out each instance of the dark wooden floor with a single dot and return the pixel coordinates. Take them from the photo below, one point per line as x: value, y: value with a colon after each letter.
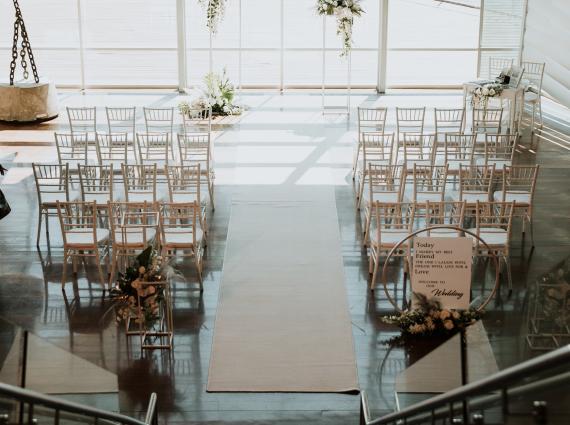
x: 31, y: 297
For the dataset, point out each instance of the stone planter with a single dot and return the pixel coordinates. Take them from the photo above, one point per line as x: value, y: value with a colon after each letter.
x: 28, y: 102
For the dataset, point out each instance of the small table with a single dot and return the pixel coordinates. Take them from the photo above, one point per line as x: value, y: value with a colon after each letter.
x: 515, y: 97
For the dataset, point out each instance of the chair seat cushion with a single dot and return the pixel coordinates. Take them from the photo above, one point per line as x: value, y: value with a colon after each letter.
x: 84, y: 237
x: 442, y: 233
x: 188, y: 198
x: 142, y: 197
x: 51, y: 197
x: 531, y: 97
x: 519, y: 197
x: 99, y: 198
x: 453, y: 165
x: 134, y: 236
x: 470, y: 198
x: 499, y: 163
x: 423, y: 197
x: 180, y: 237
x: 492, y: 236
x: 388, y: 197
x: 387, y: 238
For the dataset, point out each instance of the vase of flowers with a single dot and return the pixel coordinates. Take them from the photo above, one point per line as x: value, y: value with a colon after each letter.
x: 217, y: 93
x: 214, y: 13
x: 143, y: 295
x: 429, y: 318
x: 344, y: 11
x: 481, y: 95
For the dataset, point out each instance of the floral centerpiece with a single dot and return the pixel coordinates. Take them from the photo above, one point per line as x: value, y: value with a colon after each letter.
x: 218, y: 93
x: 140, y: 291
x: 344, y: 11
x: 429, y: 318
x: 214, y: 13
x: 480, y: 96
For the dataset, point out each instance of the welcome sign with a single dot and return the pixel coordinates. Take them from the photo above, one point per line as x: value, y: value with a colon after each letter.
x: 441, y: 269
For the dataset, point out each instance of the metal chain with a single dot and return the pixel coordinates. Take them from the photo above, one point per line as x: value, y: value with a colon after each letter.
x: 26, y: 48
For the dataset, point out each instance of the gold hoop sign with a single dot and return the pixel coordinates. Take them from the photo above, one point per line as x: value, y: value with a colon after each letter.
x: 441, y: 267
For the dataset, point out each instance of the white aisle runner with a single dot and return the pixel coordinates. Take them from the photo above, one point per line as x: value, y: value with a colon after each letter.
x: 282, y: 323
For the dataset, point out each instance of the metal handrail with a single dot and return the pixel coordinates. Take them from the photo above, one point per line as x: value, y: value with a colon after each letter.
x: 497, y: 382
x: 59, y: 405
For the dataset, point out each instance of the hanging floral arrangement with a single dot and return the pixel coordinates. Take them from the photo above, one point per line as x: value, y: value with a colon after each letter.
x: 214, y: 13
x: 344, y: 11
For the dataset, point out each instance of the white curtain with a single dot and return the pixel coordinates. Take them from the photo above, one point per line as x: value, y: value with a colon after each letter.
x: 547, y: 39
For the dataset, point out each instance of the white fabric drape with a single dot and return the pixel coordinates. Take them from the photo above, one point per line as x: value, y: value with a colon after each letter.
x: 547, y: 39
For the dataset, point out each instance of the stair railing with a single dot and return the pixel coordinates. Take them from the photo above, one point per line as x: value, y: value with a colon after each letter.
x: 501, y: 387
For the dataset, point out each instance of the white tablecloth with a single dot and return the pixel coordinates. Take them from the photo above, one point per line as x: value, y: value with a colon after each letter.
x: 513, y: 96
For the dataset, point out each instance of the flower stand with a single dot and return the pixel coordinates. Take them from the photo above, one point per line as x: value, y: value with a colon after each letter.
x: 156, y: 329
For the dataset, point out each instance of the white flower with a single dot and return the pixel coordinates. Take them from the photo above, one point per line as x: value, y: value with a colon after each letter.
x: 491, y: 92
x: 485, y: 91
x: 343, y: 13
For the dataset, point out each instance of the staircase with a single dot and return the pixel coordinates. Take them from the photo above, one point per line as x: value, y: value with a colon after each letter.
x: 517, y: 395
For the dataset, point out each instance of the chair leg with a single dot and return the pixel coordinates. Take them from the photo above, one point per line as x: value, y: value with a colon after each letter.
x: 375, y: 273
x: 47, y: 228
x: 509, y: 277
x: 211, y: 191
x: 531, y: 225
x: 102, y: 279
x: 113, y: 267
x: 355, y: 161
x: 64, y: 271
x: 366, y: 232
x: 533, y: 114
x: 40, y: 215
x: 199, y: 270
x: 360, y: 191
x: 540, y: 111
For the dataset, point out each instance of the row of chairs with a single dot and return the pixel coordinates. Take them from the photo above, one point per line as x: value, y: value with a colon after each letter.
x: 133, y: 183
x: 118, y: 230
x: 149, y: 148
x: 123, y: 120
x: 421, y: 150
x: 411, y: 121
x: 391, y: 222
x: 477, y: 183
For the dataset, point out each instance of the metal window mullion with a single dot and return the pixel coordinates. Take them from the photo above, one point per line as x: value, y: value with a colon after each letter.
x: 81, y: 46
x: 324, y: 64
x: 382, y: 45
x: 479, y: 47
x: 240, y: 50
x: 181, y: 45
x: 281, y: 50
x: 523, y: 30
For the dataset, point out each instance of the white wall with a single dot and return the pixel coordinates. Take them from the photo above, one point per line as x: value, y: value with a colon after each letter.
x: 547, y: 39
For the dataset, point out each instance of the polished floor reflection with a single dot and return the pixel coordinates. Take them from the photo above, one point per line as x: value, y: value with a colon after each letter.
x: 281, y: 140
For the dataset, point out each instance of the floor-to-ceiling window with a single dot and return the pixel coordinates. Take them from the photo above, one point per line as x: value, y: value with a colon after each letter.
x: 54, y: 36
x: 130, y: 42
x: 432, y: 42
x: 263, y: 43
